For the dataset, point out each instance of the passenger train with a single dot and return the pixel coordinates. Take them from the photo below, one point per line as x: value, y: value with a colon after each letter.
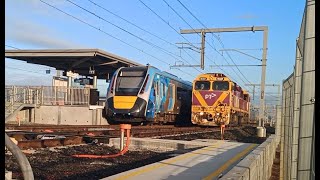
x: 144, y: 94
x: 216, y: 100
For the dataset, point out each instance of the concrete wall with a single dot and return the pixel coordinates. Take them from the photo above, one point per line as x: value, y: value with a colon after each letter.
x: 62, y: 115
x: 258, y: 164
x: 160, y: 144
x: 297, y: 153
x: 24, y: 116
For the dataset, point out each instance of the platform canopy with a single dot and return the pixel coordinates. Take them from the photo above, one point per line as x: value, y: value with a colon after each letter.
x: 82, y: 61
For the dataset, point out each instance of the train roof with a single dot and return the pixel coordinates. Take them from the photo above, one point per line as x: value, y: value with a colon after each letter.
x: 164, y: 73
x: 172, y: 76
x: 212, y: 74
x: 135, y: 68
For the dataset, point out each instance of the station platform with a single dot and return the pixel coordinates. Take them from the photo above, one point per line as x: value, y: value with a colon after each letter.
x: 206, y: 163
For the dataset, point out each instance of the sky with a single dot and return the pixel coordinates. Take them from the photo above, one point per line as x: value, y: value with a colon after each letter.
x: 146, y: 31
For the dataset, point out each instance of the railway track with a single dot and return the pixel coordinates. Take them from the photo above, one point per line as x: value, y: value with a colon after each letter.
x: 42, y: 136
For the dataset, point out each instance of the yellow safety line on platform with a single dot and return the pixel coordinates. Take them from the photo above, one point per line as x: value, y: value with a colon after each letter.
x: 228, y: 163
x: 167, y: 162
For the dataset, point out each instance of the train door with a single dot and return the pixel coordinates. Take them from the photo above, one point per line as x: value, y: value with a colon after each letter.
x: 163, y: 94
x: 172, y: 96
x: 151, y: 104
x: 157, y: 94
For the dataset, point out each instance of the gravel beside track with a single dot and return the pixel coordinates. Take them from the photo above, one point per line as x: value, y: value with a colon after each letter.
x: 57, y: 162
x: 246, y: 134
x: 47, y: 164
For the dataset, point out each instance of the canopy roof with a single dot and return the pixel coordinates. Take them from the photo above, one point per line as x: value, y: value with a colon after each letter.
x: 75, y: 60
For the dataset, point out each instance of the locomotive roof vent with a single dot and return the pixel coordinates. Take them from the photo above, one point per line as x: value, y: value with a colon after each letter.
x: 217, y: 74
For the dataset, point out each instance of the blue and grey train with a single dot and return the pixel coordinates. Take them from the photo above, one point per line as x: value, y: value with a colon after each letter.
x: 144, y: 94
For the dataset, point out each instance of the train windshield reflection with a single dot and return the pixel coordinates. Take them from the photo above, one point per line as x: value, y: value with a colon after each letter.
x: 129, y: 82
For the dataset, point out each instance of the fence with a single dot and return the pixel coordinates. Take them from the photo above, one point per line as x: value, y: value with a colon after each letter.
x: 298, y: 97
x: 46, y: 95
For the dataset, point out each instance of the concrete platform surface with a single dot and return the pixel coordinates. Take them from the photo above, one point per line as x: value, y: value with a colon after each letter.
x: 206, y: 163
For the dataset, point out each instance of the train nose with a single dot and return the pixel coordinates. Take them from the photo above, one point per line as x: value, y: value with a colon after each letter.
x: 124, y: 107
x: 124, y: 102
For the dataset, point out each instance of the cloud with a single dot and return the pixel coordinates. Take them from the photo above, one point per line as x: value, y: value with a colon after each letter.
x: 247, y: 16
x: 36, y: 6
x: 21, y: 28
x: 25, y: 78
x: 30, y: 32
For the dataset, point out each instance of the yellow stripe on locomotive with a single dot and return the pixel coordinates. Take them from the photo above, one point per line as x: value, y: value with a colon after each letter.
x: 217, y: 100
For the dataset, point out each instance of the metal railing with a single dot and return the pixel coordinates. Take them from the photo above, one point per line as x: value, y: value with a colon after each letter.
x: 46, y: 95
x: 57, y: 95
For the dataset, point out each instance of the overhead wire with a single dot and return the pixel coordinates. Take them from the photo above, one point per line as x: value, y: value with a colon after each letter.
x: 218, y: 38
x: 144, y: 30
x: 22, y: 69
x: 11, y: 46
x: 220, y: 41
x: 146, y: 41
x: 132, y: 34
x: 104, y: 32
x: 176, y: 31
x: 267, y: 93
x: 163, y: 20
x: 25, y: 70
x: 141, y: 29
x: 200, y: 36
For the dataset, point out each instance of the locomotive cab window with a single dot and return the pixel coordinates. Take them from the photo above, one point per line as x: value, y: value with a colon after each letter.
x: 202, y: 85
x: 220, y: 85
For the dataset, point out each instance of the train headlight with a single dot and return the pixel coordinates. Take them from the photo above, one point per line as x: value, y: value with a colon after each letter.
x: 201, y: 113
x: 217, y: 114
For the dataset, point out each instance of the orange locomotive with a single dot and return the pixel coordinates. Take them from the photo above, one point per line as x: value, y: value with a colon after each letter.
x: 216, y: 101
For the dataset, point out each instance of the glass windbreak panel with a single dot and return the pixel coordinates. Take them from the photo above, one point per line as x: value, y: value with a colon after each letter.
x: 202, y: 85
x: 129, y: 82
x: 221, y: 85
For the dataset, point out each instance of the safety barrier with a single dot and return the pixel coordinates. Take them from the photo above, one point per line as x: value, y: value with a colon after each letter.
x: 297, y: 154
x: 256, y: 165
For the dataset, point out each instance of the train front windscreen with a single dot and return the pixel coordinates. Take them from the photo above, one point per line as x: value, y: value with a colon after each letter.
x: 129, y: 81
